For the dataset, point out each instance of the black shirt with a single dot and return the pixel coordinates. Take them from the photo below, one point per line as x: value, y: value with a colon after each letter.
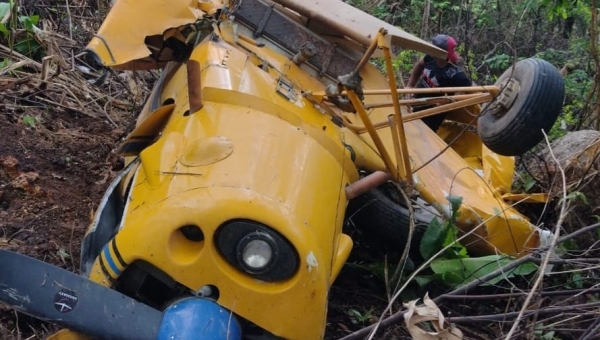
x: 435, y: 76
x: 447, y: 76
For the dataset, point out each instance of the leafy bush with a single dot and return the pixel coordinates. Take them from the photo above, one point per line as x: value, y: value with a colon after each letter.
x: 19, y: 33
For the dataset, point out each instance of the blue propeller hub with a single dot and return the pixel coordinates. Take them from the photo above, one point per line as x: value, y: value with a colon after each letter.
x: 197, y: 318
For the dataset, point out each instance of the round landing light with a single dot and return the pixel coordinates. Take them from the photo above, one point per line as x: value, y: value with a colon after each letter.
x: 257, y: 250
x: 257, y: 254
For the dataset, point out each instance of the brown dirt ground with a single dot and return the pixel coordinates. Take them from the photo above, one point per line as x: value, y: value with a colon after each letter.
x: 52, y: 175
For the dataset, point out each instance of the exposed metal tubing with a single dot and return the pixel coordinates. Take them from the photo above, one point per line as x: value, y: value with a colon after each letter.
x: 194, y: 85
x: 478, y: 99
x: 367, y: 183
x: 393, y: 122
x: 365, y: 58
x: 463, y: 103
x: 373, y: 133
x: 398, y: 121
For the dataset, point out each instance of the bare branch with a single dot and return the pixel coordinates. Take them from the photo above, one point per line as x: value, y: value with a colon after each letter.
x: 512, y: 315
x: 553, y: 244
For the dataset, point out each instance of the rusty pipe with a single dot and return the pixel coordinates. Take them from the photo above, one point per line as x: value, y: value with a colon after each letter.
x: 367, y: 183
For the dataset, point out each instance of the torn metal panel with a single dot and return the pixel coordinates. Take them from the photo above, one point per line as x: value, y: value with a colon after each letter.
x: 121, y: 41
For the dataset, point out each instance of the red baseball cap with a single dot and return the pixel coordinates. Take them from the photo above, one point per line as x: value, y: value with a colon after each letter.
x: 446, y: 43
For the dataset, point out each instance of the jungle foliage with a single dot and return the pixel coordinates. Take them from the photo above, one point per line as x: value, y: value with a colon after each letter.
x: 492, y: 35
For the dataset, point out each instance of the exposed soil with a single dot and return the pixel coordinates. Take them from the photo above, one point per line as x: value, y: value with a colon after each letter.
x: 52, y: 175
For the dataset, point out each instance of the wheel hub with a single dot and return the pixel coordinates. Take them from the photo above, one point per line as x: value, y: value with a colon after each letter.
x: 508, y: 93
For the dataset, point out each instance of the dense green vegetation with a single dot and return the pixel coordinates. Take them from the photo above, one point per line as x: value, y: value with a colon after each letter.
x: 494, y: 34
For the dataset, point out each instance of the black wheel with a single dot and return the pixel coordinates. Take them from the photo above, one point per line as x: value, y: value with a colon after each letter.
x: 531, y: 99
x: 380, y: 216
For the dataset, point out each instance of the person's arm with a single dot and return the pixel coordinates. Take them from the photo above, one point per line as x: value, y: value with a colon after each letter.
x: 416, y: 72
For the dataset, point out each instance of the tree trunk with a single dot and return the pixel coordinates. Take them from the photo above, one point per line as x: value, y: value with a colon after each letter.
x: 425, y: 21
x: 594, y: 51
x: 568, y: 27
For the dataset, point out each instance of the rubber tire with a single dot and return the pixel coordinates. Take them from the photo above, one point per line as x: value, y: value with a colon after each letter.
x: 537, y: 106
x: 380, y: 217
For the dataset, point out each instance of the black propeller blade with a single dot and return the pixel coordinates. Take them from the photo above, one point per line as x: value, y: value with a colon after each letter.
x: 72, y: 301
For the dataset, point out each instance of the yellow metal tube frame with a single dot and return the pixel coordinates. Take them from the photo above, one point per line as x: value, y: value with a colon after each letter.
x: 373, y: 133
x: 491, y: 89
x: 424, y: 101
x: 494, y: 90
x: 477, y: 95
x: 398, y: 129
x: 393, y: 123
x: 465, y: 101
x: 372, y: 47
x: 397, y: 120
x: 484, y: 97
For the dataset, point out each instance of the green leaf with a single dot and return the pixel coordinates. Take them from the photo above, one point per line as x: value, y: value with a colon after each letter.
x: 4, y: 9
x: 28, y: 46
x: 570, y: 245
x: 462, y: 271
x: 578, y: 195
x: 577, y: 280
x: 28, y: 120
x: 34, y: 19
x: 451, y: 279
x: 455, y: 203
x: 432, y: 239
x: 423, y: 281
x: 525, y: 269
x: 457, y: 250
x: 29, y: 22
x: 4, y: 30
x: 528, y: 185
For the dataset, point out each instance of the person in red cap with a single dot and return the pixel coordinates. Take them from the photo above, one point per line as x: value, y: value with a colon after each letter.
x: 431, y: 72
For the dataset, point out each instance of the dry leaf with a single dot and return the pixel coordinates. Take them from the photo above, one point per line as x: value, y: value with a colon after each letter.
x: 428, y: 312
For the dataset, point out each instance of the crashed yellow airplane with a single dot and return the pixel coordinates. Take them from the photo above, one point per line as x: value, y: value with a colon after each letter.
x: 227, y: 221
